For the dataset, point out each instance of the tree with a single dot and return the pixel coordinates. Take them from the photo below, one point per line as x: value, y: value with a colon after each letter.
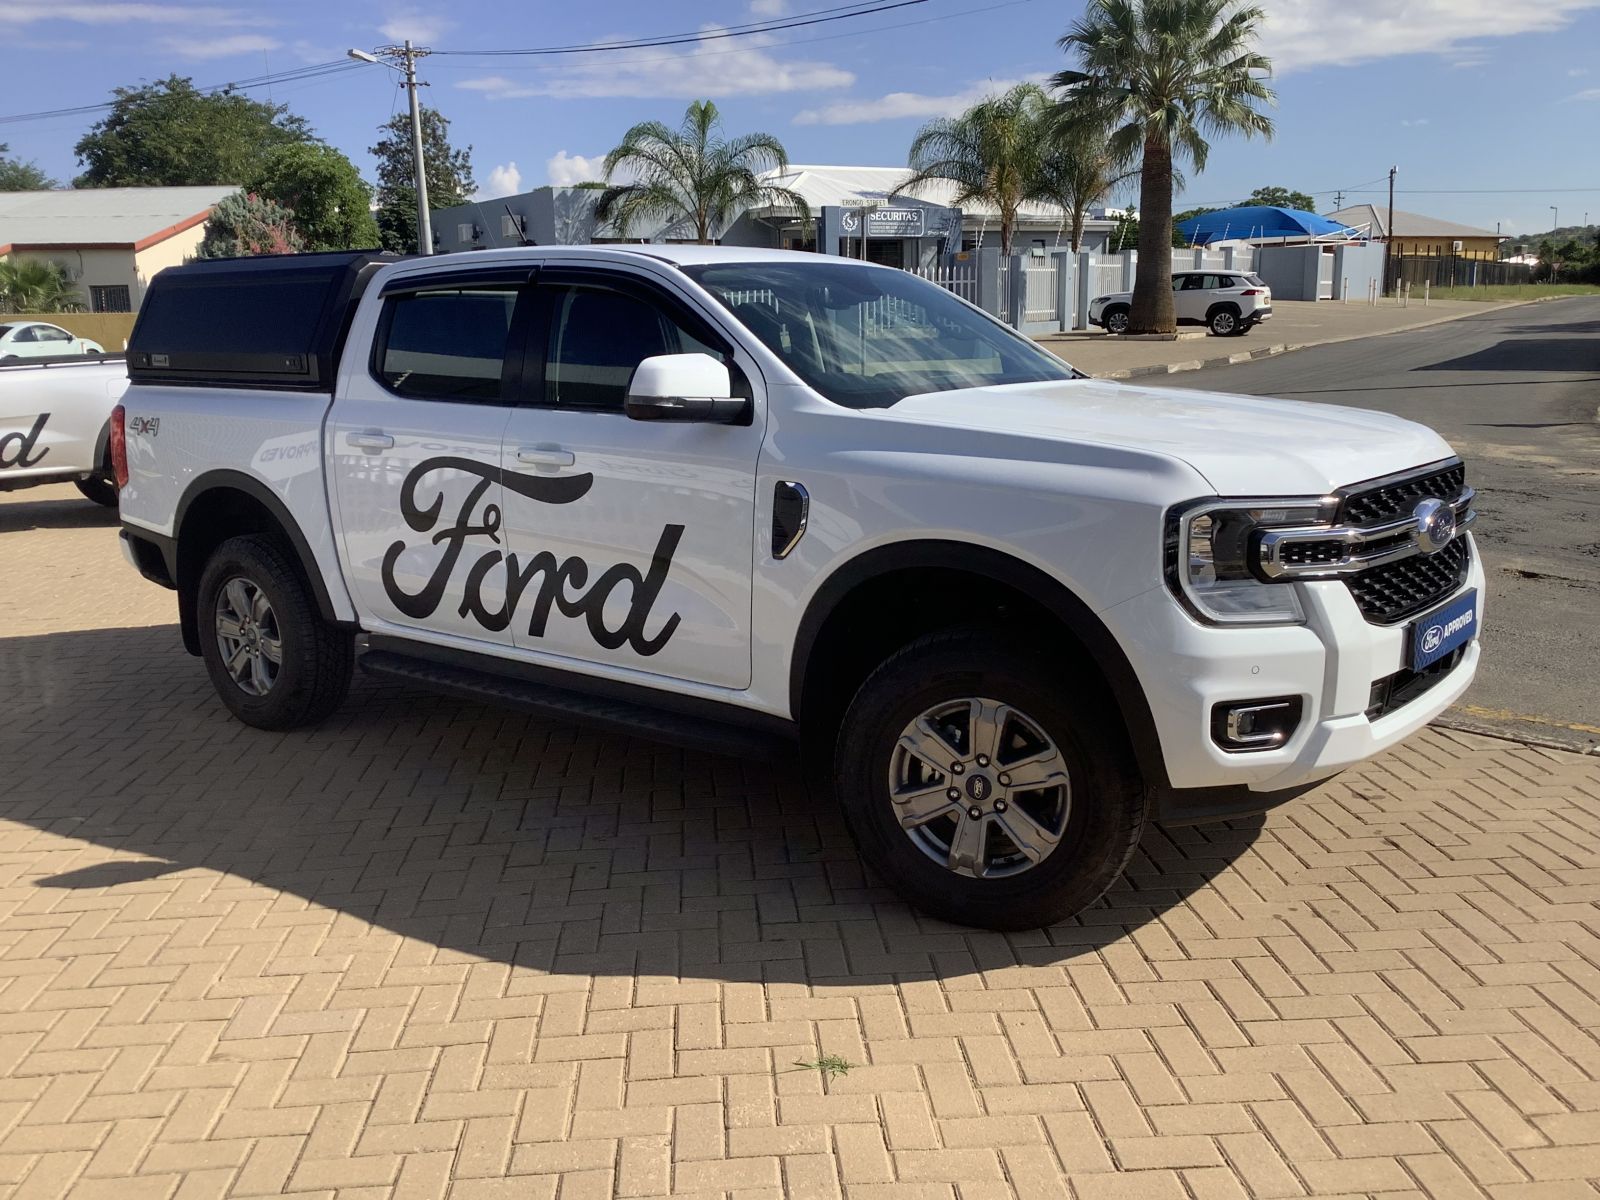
x: 1277, y: 197
x: 19, y: 176
x: 448, y: 172
x: 994, y: 153
x: 1162, y: 75
x: 330, y: 203
x: 33, y: 285
x: 246, y: 224
x: 170, y: 134
x: 693, y: 175
x: 1076, y: 172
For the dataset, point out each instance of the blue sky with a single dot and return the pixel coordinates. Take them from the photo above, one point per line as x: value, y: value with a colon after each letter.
x: 1490, y: 108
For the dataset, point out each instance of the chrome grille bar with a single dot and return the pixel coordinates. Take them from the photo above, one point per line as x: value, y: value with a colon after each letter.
x: 1358, y: 548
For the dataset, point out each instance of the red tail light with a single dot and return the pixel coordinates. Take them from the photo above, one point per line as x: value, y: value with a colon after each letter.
x: 119, y: 445
x: 1251, y: 292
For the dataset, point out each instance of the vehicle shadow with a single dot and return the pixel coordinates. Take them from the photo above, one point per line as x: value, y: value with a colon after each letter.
x: 482, y: 832
x: 1549, y: 355
x: 63, y: 511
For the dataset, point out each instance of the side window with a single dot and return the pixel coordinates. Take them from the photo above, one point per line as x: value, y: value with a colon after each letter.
x: 446, y: 345
x: 1220, y: 281
x: 26, y: 334
x: 1195, y: 283
x: 49, y: 333
x: 597, y: 338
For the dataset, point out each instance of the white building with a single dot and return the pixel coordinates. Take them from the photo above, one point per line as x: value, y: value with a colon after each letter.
x: 110, y: 241
x: 564, y: 215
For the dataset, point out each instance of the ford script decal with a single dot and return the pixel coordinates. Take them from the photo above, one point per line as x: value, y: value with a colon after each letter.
x: 563, y: 585
x: 15, y: 448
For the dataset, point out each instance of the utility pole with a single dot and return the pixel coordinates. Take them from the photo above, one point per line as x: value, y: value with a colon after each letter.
x: 406, y: 56
x: 1388, y: 230
x: 1338, y: 201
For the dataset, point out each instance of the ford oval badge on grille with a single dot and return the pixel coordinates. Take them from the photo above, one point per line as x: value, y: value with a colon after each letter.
x: 1436, y: 525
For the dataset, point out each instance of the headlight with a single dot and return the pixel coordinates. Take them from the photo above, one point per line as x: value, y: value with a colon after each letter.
x: 1099, y: 299
x: 1212, y: 555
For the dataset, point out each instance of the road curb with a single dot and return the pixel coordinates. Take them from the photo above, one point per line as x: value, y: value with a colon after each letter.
x: 1289, y: 347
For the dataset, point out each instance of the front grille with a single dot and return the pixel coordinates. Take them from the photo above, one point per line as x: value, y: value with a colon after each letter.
x: 1398, y: 590
x: 1396, y: 500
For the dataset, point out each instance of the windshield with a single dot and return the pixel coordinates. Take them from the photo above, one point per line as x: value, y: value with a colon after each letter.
x: 867, y: 337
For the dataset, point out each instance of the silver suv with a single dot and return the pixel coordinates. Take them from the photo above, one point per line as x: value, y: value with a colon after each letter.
x: 1228, y: 303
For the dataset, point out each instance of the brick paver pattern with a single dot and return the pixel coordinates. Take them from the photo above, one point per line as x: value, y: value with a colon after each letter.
x: 433, y: 949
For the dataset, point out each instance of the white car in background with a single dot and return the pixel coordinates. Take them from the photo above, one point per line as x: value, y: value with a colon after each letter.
x: 55, y: 424
x: 37, y: 339
x: 1228, y: 303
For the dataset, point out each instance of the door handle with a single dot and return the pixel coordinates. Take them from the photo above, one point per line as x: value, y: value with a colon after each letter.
x: 545, y: 456
x: 372, y: 439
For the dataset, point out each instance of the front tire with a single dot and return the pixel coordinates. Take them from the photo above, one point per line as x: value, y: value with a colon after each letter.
x: 1116, y: 320
x: 276, y: 664
x: 990, y: 784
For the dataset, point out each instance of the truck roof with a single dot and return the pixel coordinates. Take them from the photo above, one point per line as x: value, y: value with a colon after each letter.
x: 672, y: 252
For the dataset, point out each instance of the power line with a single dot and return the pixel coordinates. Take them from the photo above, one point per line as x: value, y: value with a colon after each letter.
x: 822, y: 16
x: 293, y: 75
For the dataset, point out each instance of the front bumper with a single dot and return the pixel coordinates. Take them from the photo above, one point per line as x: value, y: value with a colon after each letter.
x: 1331, y: 662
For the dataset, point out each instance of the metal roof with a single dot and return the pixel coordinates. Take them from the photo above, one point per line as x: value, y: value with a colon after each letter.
x: 1406, y: 224
x: 134, y: 217
x: 852, y: 187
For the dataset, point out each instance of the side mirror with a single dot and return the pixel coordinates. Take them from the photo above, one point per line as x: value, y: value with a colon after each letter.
x: 683, y: 387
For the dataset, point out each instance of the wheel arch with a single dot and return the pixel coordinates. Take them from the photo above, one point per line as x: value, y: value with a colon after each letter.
x: 826, y: 656
x: 1224, y: 306
x: 236, y: 504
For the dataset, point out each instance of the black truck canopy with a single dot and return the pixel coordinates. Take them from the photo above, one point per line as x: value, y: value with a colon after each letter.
x: 276, y: 321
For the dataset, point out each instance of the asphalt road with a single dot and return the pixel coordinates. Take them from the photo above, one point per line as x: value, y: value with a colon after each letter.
x: 1516, y: 392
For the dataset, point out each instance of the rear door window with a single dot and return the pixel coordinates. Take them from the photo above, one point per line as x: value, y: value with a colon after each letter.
x: 448, y: 344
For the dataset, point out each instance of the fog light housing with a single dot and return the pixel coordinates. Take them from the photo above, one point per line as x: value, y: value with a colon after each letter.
x: 1243, y: 726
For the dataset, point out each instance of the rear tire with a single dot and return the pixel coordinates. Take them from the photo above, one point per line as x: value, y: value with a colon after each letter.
x: 101, y: 490
x: 950, y: 836
x: 274, y: 661
x: 1225, y: 322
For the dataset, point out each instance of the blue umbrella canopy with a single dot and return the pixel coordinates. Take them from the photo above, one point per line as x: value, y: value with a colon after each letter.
x: 1257, y: 221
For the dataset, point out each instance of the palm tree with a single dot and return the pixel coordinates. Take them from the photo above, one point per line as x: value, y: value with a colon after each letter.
x: 993, y: 153
x: 1162, y: 75
x: 31, y: 285
x: 692, y: 174
x: 1077, y: 172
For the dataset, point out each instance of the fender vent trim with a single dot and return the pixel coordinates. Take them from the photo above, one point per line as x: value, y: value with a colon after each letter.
x: 791, y: 509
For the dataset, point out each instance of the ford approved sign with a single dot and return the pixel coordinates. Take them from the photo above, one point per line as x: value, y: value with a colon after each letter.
x: 1444, y: 629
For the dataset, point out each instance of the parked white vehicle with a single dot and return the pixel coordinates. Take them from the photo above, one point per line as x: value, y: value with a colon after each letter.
x: 36, y: 339
x: 1229, y: 303
x: 734, y: 498
x: 55, y: 424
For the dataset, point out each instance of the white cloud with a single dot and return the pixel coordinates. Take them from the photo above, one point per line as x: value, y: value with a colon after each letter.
x: 564, y: 170
x: 504, y: 180
x: 1415, y: 122
x: 1305, y: 33
x: 687, y: 74
x: 420, y: 27
x: 219, y: 47
x: 23, y: 12
x: 1575, y: 72
x: 900, y: 105
x: 1586, y: 94
x: 768, y: 8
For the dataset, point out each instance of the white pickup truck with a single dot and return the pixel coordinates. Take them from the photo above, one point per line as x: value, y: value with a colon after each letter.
x: 735, y: 498
x: 55, y: 424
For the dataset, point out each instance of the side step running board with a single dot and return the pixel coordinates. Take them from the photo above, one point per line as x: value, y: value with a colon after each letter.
x: 676, y: 729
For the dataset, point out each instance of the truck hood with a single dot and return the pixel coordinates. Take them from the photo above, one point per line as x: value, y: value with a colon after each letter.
x: 1243, y: 445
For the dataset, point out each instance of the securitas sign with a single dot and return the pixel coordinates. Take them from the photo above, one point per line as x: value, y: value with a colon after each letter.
x: 885, y: 222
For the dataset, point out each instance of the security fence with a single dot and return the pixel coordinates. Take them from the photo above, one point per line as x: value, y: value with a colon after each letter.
x: 1452, y: 270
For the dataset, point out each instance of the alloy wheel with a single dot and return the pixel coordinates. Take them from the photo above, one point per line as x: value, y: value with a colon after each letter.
x: 248, y: 636
x: 980, y: 788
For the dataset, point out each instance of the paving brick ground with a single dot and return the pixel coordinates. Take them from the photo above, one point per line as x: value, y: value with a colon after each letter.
x: 433, y: 949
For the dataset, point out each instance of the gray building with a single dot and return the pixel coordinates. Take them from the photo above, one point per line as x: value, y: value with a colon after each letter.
x: 846, y: 202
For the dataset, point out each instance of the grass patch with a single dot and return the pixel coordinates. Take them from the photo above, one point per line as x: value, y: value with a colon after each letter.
x: 828, y: 1065
x: 1508, y: 291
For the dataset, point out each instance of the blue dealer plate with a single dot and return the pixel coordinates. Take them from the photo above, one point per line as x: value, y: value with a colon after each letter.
x: 1436, y: 634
